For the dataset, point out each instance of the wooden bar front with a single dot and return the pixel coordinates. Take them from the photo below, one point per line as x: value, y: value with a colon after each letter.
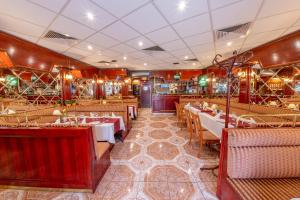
x: 164, y: 103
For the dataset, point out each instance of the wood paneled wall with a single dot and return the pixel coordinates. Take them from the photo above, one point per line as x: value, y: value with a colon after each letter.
x: 20, y: 51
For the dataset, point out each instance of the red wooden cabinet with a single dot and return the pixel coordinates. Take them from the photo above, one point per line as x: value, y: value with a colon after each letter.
x: 164, y: 103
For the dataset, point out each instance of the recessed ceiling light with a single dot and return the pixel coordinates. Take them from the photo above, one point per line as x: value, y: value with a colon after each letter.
x: 181, y: 5
x: 145, y: 64
x: 194, y: 64
x: 242, y: 36
x: 124, y: 58
x: 186, y: 57
x: 90, y: 16
x: 67, y: 35
x: 229, y: 44
x: 141, y: 43
x: 90, y: 47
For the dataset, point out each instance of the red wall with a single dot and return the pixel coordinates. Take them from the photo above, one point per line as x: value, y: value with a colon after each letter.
x: 23, y: 50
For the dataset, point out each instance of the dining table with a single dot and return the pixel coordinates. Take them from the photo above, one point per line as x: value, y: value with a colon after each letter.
x: 105, y: 128
x: 216, y: 122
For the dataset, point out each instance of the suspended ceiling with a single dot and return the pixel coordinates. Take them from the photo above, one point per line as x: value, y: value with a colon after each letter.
x: 117, y: 29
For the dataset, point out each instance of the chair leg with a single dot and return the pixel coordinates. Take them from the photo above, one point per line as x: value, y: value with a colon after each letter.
x: 191, y: 136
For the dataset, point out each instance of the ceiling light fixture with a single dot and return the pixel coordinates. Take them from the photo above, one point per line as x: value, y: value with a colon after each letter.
x: 242, y: 36
x: 229, y: 44
x: 141, y: 43
x: 124, y: 58
x: 42, y: 66
x: 90, y: 16
x: 194, y: 64
x: 145, y: 64
x: 181, y: 6
x: 186, y: 57
x: 90, y: 47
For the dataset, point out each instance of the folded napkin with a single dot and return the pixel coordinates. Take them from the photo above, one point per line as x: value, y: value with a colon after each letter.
x: 11, y: 111
x: 249, y: 121
x: 83, y: 120
x: 113, y: 114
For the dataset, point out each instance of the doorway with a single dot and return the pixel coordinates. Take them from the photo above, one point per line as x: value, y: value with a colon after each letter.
x: 145, y: 95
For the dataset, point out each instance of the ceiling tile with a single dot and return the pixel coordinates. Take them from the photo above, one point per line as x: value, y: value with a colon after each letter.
x: 111, y: 53
x: 20, y: 35
x: 74, y: 55
x: 273, y: 7
x: 163, y: 35
x: 56, y: 46
x: 27, y: 11
x: 123, y: 49
x: 12, y: 24
x: 54, y: 5
x: 135, y: 43
x: 195, y: 25
x: 218, y: 4
x: 173, y: 45
x: 169, y: 9
x: 148, y: 23
x: 102, y: 40
x: 292, y: 29
x: 120, y: 31
x: 275, y: 22
x: 199, y: 39
x: 87, y: 46
x: 78, y: 52
x: 263, y: 37
x: 138, y: 54
x: 203, y: 48
x: 238, y: 13
x: 182, y: 53
x: 120, y: 8
x: 78, y: 9
x: 66, y: 26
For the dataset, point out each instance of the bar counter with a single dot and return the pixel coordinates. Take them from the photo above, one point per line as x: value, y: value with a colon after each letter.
x: 164, y: 103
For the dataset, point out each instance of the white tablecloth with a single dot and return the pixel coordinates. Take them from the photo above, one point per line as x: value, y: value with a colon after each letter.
x: 209, y: 122
x: 105, y: 131
x: 132, y: 111
x: 212, y: 124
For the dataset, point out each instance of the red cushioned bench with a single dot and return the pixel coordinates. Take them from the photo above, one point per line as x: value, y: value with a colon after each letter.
x: 52, y: 157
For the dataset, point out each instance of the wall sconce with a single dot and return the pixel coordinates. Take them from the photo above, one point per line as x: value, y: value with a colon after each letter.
x: 100, y: 81
x: 93, y: 81
x: 207, y: 79
x: 213, y: 80
x: 2, y: 79
x: 68, y: 76
x: 242, y: 74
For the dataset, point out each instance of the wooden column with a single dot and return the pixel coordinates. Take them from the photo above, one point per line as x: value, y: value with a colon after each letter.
x: 245, y: 84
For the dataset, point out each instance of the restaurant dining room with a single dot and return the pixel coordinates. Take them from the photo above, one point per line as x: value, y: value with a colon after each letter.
x: 149, y: 100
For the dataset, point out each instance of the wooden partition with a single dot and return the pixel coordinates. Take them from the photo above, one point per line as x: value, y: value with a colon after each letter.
x: 50, y: 158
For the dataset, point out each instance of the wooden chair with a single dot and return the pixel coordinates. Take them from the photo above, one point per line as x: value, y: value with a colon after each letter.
x: 180, y: 114
x: 189, y: 123
x: 205, y: 137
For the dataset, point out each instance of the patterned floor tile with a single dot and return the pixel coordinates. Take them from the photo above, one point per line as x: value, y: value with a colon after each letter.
x: 155, y: 162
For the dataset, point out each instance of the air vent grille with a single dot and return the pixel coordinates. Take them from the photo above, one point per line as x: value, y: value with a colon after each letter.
x: 154, y: 48
x: 56, y: 35
x: 176, y: 63
x: 233, y: 31
x: 103, y: 61
x: 191, y: 60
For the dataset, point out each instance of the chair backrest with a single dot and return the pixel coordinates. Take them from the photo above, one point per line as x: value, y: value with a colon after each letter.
x: 197, y: 124
x: 188, y: 119
x: 263, y: 153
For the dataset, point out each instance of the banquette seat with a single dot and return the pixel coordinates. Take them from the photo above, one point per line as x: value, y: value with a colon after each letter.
x: 52, y: 157
x: 259, y: 164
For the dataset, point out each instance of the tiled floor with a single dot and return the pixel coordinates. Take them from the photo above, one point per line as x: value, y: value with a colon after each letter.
x: 154, y: 162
